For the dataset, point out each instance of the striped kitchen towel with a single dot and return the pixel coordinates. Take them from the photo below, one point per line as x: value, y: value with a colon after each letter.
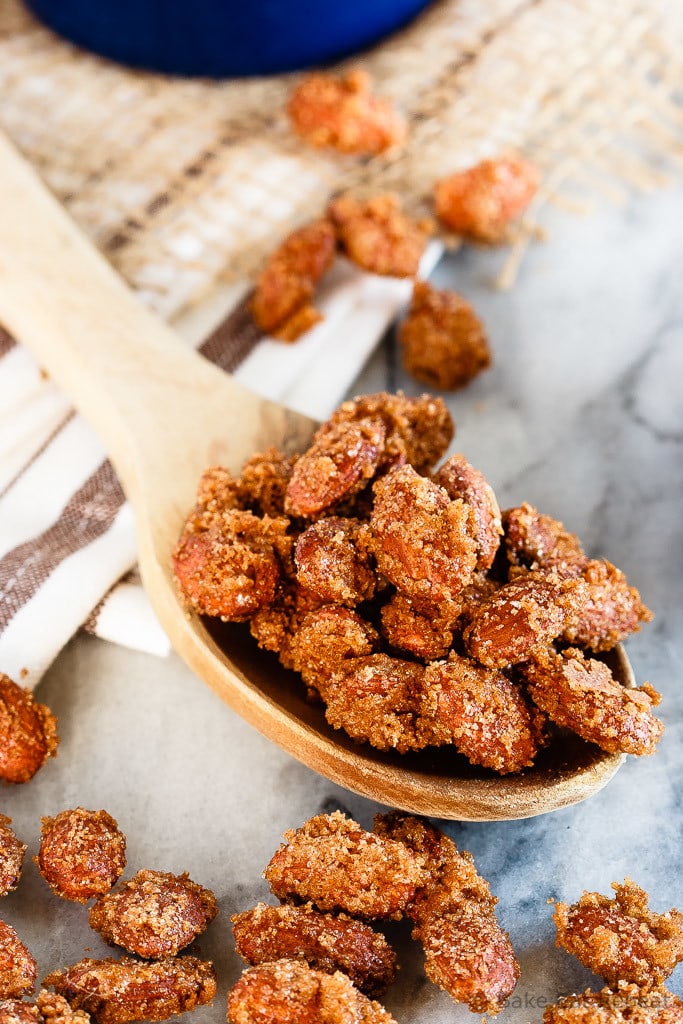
x: 66, y: 531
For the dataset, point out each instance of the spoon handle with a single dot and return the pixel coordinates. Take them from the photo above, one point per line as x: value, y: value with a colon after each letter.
x: 123, y: 368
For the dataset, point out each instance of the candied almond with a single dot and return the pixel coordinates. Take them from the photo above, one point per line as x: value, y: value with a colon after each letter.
x: 281, y: 303
x: 613, y: 609
x: 537, y: 541
x: 18, y: 968
x: 325, y: 639
x: 118, y: 991
x: 423, y: 542
x: 11, y: 856
x: 364, y: 436
x: 154, y: 914
x: 466, y: 951
x: 81, y: 854
x: 336, y: 865
x: 54, y: 1009
x: 331, y: 561
x: 275, y: 627
x: 378, y: 236
x: 581, y: 694
x: 271, y: 628
x: 279, y: 295
x: 481, y: 712
x: 299, y: 323
x: 262, y: 484
x: 231, y: 569
x: 376, y: 698
x: 343, y: 456
x: 449, y: 874
x: 291, y: 992
x: 426, y: 632
x: 342, y: 113
x: 522, y: 616
x: 476, y: 593
x: 309, y: 251
x: 621, y: 939
x: 28, y: 733
x: 443, y: 342
x: 418, y: 430
x: 481, y: 201
x: 16, y: 1011
x: 326, y: 942
x: 217, y: 492
x: 469, y: 956
x: 460, y: 479
x: 627, y: 1005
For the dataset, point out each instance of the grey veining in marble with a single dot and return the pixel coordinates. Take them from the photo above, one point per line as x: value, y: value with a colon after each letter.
x: 581, y: 415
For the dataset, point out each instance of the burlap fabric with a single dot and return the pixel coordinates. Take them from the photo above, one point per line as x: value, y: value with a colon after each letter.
x: 183, y: 183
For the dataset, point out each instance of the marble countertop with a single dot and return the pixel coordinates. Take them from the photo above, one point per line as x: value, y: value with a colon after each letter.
x: 581, y: 415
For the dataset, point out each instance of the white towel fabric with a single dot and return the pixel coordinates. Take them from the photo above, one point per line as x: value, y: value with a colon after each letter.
x: 66, y: 534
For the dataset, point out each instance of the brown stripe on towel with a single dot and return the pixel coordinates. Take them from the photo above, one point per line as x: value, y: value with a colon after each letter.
x: 36, y: 455
x: 232, y: 341
x: 88, y: 514
x: 7, y: 342
x: 90, y: 624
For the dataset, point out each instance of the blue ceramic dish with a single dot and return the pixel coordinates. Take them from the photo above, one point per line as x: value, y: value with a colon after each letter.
x: 224, y: 37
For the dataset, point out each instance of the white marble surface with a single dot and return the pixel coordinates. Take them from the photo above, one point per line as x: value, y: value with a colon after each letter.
x: 581, y: 415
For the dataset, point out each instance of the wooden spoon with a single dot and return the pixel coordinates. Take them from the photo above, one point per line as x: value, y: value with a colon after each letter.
x: 165, y: 414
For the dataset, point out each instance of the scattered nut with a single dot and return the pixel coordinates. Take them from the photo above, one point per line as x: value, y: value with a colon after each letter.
x: 155, y: 914
x: 404, y: 867
x: 342, y: 113
x: 18, y: 968
x: 378, y: 236
x: 291, y: 992
x: 443, y: 341
x: 16, y: 1011
x: 467, y: 952
x: 621, y: 939
x: 326, y: 942
x: 54, y: 1009
x: 118, y: 991
x: 82, y: 853
x: 628, y: 1005
x: 28, y: 733
x: 632, y: 947
x: 281, y: 304
x: 11, y: 857
x: 337, y: 865
x: 481, y: 201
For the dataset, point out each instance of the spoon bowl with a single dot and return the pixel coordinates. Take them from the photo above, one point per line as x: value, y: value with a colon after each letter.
x: 164, y: 414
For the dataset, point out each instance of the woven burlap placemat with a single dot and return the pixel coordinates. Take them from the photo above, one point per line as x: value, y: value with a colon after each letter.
x: 184, y: 183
